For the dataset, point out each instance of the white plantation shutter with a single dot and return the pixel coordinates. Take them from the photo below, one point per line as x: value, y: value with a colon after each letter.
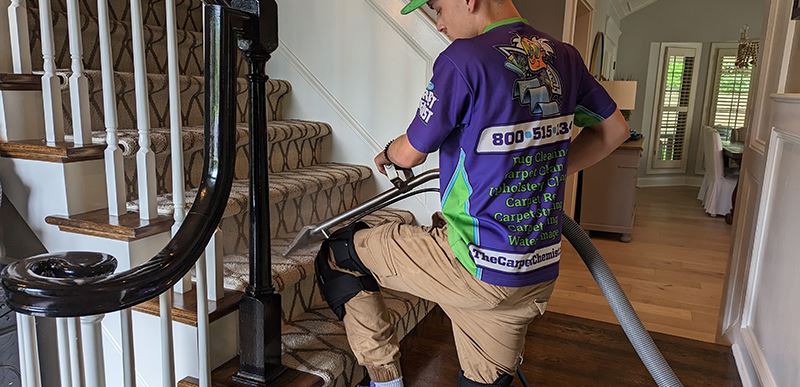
x: 731, y: 91
x: 675, y: 107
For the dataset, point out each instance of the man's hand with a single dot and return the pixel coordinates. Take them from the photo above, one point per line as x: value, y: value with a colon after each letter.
x: 381, y: 161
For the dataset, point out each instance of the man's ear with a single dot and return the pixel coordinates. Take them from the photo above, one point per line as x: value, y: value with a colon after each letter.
x: 471, y: 4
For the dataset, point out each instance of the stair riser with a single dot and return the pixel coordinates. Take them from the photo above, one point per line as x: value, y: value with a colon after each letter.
x: 190, y: 47
x: 289, y: 216
x: 188, y: 13
x: 192, y: 101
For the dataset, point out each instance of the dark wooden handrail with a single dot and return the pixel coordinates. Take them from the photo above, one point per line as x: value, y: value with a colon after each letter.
x: 79, y: 283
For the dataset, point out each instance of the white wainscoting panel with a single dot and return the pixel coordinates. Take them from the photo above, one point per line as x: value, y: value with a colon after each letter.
x: 771, y: 315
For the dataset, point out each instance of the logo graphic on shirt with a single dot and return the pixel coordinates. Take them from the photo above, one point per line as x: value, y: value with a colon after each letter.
x: 426, y: 103
x: 538, y: 85
x: 515, y: 262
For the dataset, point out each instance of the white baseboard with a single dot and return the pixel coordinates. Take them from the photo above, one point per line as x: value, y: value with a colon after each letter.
x: 758, y: 361
x: 744, y: 366
x: 669, y: 181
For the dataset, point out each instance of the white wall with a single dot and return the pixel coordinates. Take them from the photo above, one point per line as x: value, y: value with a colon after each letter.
x: 607, y: 21
x: 705, y: 21
x: 360, y: 66
x: 16, y: 238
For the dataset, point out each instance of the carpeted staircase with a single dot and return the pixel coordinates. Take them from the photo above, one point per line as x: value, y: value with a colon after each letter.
x: 304, y: 188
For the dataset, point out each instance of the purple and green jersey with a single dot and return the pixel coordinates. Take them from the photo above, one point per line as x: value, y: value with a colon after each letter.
x: 500, y: 109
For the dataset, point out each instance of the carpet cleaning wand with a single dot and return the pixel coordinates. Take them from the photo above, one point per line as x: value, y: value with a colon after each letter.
x: 407, y: 185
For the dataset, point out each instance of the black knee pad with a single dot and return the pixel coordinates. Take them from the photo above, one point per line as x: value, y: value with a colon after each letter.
x: 503, y: 381
x: 338, y: 287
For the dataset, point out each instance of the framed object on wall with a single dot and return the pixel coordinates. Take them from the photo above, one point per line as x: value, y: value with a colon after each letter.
x: 598, y: 51
x: 796, y: 10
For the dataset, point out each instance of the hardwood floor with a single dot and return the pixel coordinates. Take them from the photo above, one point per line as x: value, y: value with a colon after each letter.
x: 673, y: 271
x: 562, y: 350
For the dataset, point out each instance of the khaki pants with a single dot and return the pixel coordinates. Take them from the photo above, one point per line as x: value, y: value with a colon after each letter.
x: 489, y: 322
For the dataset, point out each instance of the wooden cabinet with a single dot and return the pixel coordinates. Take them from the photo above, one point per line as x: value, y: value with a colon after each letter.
x: 608, y: 193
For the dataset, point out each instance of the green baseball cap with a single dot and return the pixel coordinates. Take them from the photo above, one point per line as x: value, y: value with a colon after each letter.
x: 414, y: 4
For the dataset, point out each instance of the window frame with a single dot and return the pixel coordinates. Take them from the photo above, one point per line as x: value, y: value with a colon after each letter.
x: 712, y: 80
x: 654, y: 165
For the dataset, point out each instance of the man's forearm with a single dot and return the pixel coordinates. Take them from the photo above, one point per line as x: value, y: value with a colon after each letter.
x: 403, y: 154
x: 596, y: 143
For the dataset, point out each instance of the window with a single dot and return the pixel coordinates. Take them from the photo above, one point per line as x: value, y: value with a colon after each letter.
x: 731, y: 90
x: 675, y: 105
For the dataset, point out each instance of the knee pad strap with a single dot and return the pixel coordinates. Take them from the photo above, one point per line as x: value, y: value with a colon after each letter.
x: 338, y: 287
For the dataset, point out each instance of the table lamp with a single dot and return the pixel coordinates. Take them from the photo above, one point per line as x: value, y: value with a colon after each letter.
x: 624, y: 94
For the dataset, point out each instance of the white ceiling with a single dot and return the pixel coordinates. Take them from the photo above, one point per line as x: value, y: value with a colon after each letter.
x: 623, y: 8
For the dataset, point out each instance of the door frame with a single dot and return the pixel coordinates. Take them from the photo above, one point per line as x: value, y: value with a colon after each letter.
x: 571, y: 29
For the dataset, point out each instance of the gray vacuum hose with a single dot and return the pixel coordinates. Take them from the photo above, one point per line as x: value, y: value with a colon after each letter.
x: 620, y: 305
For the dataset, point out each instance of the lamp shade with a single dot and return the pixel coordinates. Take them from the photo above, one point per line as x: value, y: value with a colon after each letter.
x: 622, y: 92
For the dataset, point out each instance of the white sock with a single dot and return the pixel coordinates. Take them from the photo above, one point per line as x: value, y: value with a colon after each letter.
x: 392, y: 383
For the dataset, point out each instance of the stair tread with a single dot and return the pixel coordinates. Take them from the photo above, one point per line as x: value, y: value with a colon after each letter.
x: 191, y: 93
x: 278, y: 130
x: 190, y: 59
x: 286, y: 271
x: 315, y: 342
x: 283, y: 186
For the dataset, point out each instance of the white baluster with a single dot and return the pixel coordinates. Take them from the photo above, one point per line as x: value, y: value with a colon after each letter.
x: 51, y: 83
x: 145, y: 159
x: 78, y: 83
x: 75, y: 353
x: 115, y: 178
x: 216, y: 288
x: 176, y: 137
x: 128, y: 363
x: 203, y: 347
x: 28, y: 351
x: 62, y: 335
x: 93, y: 349
x: 167, y: 351
x: 6, y: 64
x: 20, y: 41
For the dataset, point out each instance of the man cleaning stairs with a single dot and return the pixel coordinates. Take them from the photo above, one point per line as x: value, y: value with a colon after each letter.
x: 500, y: 108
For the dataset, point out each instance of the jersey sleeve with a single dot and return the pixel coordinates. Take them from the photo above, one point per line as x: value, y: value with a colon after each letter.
x: 594, y: 105
x: 444, y: 107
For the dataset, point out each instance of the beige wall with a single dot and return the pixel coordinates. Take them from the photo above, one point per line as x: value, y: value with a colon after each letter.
x: 544, y: 15
x: 704, y: 21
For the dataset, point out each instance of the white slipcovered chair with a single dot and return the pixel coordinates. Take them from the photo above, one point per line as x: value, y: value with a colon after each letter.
x: 716, y: 192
